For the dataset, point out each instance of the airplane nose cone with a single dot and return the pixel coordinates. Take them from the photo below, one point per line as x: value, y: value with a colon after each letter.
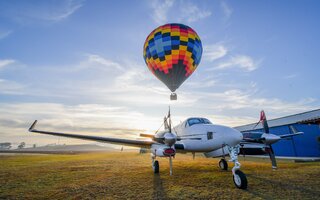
x: 235, y: 137
x: 239, y: 136
x: 170, y: 139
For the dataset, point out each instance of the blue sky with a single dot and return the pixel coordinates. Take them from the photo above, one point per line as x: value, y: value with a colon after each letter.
x: 77, y: 66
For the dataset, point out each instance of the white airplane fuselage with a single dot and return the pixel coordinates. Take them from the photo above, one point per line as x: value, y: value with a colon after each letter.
x: 206, y: 137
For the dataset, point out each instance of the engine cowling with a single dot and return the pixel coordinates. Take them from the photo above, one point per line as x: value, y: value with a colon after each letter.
x: 270, y: 138
x: 162, y: 150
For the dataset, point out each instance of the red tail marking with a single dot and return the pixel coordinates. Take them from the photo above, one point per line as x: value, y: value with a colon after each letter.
x: 262, y: 116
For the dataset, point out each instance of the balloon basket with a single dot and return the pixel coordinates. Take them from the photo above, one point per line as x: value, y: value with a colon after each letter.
x: 173, y: 96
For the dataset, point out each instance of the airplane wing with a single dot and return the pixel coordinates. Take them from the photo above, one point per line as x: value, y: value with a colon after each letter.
x: 133, y: 143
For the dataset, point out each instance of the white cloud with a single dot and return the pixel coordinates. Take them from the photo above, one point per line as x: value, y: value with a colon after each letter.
x: 206, y: 82
x: 247, y: 100
x: 192, y: 13
x: 201, y: 84
x: 177, y: 11
x: 160, y: 10
x: 290, y: 76
x: 226, y: 9
x: 4, y: 34
x: 93, y: 119
x: 97, y: 59
x: 4, y: 63
x: 11, y: 87
x: 232, y: 120
x: 239, y: 61
x: 214, y: 52
x: 64, y: 11
x: 49, y: 11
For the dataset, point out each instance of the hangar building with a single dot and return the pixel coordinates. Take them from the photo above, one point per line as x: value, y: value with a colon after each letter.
x: 306, y: 145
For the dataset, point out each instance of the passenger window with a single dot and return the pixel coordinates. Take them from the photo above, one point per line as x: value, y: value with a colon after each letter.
x: 209, y: 135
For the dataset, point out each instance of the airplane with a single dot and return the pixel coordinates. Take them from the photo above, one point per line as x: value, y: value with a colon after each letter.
x: 195, y: 134
x: 260, y: 143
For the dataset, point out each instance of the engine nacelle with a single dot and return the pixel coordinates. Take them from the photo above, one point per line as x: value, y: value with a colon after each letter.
x: 162, y: 150
x: 217, y: 153
x: 270, y: 138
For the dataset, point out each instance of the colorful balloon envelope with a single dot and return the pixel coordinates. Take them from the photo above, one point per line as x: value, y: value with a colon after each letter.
x: 172, y: 52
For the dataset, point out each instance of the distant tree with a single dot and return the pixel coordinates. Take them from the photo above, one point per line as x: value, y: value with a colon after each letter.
x: 21, y: 145
x: 34, y: 145
x: 143, y: 150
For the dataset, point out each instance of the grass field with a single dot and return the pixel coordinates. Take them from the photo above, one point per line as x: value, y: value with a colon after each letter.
x: 129, y: 176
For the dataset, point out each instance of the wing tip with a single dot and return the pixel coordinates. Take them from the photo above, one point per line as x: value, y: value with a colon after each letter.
x: 33, y: 125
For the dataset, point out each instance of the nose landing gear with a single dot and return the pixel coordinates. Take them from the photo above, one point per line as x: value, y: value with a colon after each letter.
x: 239, y: 178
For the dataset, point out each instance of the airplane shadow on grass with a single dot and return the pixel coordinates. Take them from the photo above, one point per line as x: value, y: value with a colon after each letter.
x: 158, y: 190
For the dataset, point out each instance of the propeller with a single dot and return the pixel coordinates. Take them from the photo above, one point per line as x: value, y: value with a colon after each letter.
x: 168, y: 138
x: 165, y: 137
x: 268, y: 139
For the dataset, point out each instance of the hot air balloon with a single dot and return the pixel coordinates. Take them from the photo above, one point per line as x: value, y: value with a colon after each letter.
x: 172, y: 52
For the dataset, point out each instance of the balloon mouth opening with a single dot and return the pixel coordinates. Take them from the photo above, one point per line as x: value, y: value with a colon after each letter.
x: 173, y: 96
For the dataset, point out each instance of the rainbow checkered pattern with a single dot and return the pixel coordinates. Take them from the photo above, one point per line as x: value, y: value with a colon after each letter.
x: 172, y: 52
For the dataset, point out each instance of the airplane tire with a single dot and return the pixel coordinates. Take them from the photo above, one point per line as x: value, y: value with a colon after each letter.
x: 156, y: 167
x: 240, y: 180
x: 223, y: 164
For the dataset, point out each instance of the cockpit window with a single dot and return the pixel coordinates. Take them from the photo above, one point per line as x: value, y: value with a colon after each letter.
x: 193, y: 121
x: 206, y: 121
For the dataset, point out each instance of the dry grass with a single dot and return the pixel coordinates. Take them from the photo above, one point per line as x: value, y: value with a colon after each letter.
x: 129, y: 176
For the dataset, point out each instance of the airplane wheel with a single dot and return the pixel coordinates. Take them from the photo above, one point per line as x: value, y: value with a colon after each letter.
x: 223, y: 164
x: 240, y: 180
x: 156, y: 167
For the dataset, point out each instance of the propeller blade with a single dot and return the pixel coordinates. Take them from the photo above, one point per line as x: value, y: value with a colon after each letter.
x: 264, y: 121
x: 146, y: 135
x: 167, y: 121
x: 270, y: 151
x: 180, y: 139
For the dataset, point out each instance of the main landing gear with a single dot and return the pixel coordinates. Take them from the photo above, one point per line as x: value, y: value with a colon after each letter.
x: 155, y: 167
x: 223, y: 164
x: 239, y: 178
